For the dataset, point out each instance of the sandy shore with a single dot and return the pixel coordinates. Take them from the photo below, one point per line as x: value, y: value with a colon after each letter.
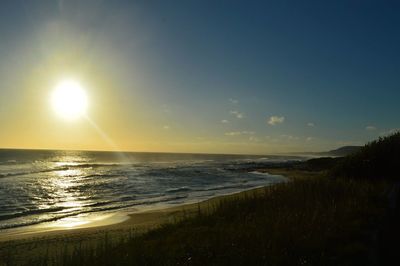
x: 115, y: 223
x: 89, y: 226
x: 36, y: 240
x: 26, y: 243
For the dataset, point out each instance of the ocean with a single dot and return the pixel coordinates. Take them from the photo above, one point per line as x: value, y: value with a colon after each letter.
x: 42, y: 186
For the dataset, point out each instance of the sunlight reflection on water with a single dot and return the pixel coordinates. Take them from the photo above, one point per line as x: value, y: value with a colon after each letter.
x: 59, y: 188
x: 60, y: 184
x: 85, y: 220
x: 70, y: 188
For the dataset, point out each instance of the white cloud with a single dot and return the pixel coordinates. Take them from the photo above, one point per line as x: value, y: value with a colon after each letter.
x: 233, y: 101
x: 274, y: 120
x: 310, y: 124
x: 234, y: 133
x: 308, y: 139
x: 238, y: 114
x: 166, y: 127
x: 224, y: 121
x: 238, y: 133
x: 289, y: 137
x: 370, y: 128
x: 252, y: 138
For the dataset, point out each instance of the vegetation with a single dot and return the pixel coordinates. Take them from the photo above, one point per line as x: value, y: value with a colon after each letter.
x: 320, y: 164
x: 377, y: 160
x: 304, y: 222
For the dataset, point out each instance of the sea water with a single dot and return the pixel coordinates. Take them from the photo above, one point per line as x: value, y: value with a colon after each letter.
x: 41, y: 186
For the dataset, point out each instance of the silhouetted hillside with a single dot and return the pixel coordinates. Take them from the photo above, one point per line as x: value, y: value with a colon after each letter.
x: 343, y: 151
x: 378, y: 159
x: 320, y: 164
x: 339, y: 152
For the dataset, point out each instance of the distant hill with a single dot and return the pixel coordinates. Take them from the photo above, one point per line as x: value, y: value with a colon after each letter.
x: 379, y: 159
x: 343, y: 151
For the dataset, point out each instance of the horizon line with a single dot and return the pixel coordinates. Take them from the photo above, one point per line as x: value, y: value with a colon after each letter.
x: 293, y: 153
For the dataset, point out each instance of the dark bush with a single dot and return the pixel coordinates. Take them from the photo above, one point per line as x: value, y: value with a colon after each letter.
x: 377, y: 160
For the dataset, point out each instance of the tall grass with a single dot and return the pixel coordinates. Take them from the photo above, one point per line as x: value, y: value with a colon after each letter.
x: 304, y: 222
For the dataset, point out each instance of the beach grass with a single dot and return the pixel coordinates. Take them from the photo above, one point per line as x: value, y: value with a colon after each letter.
x: 317, y: 221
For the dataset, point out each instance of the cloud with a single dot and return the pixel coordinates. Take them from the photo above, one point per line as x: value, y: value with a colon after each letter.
x: 289, y: 137
x: 238, y: 133
x: 308, y: 139
x: 274, y: 120
x: 224, y: 121
x: 254, y: 139
x: 233, y: 101
x: 310, y: 124
x: 166, y: 127
x: 370, y: 128
x: 238, y: 114
x: 235, y: 133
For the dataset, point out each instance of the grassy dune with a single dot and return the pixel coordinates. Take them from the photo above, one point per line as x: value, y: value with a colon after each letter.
x: 318, y: 221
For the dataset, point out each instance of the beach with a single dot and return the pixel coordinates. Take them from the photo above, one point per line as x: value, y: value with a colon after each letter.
x: 255, y: 226
x: 29, y: 242
x: 72, y: 188
x: 56, y: 200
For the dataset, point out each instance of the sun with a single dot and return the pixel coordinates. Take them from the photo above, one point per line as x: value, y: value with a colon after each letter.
x: 69, y: 99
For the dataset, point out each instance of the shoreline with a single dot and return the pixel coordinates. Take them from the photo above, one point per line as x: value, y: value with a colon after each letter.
x: 40, y: 243
x: 267, y: 208
x: 119, y: 222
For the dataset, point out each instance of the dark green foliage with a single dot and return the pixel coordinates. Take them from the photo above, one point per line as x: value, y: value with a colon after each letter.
x: 376, y: 160
x: 320, y: 164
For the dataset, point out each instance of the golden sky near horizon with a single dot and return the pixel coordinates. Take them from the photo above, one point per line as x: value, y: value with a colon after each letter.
x: 120, y: 117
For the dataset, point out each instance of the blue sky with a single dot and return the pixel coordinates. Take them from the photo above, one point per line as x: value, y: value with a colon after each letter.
x: 198, y: 76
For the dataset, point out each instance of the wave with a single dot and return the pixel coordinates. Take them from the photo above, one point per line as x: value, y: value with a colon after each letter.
x: 260, y: 173
x: 8, y: 162
x: 110, y: 186
x: 101, y: 175
x: 94, y: 165
x: 240, y: 186
x: 29, y: 212
x: 32, y: 172
x: 71, y: 214
x: 63, y: 168
x: 180, y: 189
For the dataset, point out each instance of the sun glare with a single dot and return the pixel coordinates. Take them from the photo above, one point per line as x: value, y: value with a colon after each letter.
x: 69, y: 99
